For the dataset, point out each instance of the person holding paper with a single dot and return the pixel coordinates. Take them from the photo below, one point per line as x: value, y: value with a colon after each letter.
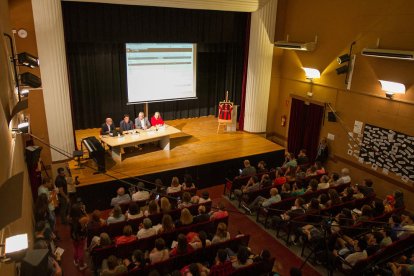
x: 156, y: 120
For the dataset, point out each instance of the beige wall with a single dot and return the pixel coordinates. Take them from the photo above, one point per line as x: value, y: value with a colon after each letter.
x: 337, y: 24
x: 12, y: 149
x: 21, y: 16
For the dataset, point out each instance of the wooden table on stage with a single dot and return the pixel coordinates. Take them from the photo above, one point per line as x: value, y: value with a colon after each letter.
x: 138, y: 136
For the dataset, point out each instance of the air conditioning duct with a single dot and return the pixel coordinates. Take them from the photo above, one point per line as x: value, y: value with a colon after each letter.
x: 297, y: 46
x: 385, y: 53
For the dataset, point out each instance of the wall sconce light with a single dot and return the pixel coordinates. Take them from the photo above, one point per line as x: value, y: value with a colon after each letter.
x: 16, y: 247
x: 24, y: 92
x: 311, y: 73
x: 342, y: 70
x: 23, y: 127
x: 28, y: 60
x: 343, y: 58
x: 346, y: 68
x: 392, y: 88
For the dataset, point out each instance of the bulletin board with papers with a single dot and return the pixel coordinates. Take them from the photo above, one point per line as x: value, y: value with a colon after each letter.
x: 388, y: 151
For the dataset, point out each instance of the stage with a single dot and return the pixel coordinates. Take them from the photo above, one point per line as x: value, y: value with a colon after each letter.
x: 209, y: 157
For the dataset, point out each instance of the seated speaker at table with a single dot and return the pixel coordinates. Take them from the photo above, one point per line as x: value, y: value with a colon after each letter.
x: 141, y: 122
x: 126, y: 124
x: 156, y: 120
x: 108, y: 126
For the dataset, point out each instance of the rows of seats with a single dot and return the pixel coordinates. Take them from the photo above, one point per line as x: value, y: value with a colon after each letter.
x: 285, y: 204
x: 125, y: 250
x: 115, y: 229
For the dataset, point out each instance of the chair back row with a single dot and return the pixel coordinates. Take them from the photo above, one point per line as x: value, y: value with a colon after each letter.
x: 125, y: 250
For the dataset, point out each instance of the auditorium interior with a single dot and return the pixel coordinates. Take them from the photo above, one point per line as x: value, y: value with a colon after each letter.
x: 296, y: 73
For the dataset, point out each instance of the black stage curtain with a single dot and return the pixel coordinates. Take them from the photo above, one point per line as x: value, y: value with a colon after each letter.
x: 95, y: 37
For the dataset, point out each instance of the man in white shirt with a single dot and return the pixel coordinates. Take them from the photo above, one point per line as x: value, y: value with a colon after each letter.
x: 359, y: 254
x: 141, y: 194
x: 121, y: 197
x: 324, y: 184
x: 141, y: 122
x: 147, y: 230
x: 345, y: 178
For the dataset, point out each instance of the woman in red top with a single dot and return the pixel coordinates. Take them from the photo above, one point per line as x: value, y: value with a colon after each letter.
x: 126, y: 237
x: 156, y: 120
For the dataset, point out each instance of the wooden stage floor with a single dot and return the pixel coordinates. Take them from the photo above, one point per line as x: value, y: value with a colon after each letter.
x: 198, y: 144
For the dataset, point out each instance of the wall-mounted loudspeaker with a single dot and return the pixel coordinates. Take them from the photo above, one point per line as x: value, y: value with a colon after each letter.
x: 331, y: 117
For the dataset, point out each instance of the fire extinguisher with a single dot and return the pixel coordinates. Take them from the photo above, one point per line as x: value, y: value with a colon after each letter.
x: 283, y: 121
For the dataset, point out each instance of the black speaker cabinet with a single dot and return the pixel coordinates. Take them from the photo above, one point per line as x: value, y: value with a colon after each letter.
x: 35, y: 263
x: 33, y: 155
x: 331, y: 117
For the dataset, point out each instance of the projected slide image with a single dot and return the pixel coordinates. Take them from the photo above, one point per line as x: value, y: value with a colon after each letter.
x: 158, y: 72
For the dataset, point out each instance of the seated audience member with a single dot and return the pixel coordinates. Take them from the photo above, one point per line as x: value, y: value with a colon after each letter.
x: 302, y: 159
x: 357, y: 193
x: 115, y: 216
x: 389, y: 203
x: 107, y: 127
x: 202, y: 215
x: 263, y: 202
x: 141, y: 122
x: 300, y: 174
x: 137, y: 260
x: 53, y: 267
x: 314, y: 208
x: 205, y: 197
x: 195, y: 269
x: 186, y: 218
x: 165, y: 205
x: 222, y: 234
x: 133, y: 211
x: 248, y: 170
x: 126, y: 124
x: 399, y: 199
x: 167, y: 224
x: 159, y: 253
x: 290, y: 161
x: 324, y: 183
x: 296, y: 210
x: 366, y: 214
x: 280, y: 179
x: 313, y: 186
x: 252, y: 185
x: 407, y: 226
x: 182, y: 246
x: 285, y: 191
x: 175, y: 186
x: 186, y: 201
x: 366, y: 187
x: 141, y: 194
x: 345, y: 178
x: 261, y: 167
x: 394, y: 223
x: 333, y: 181
x: 242, y: 258
x: 121, y: 197
x: 188, y: 183
x: 222, y: 265
x: 401, y: 269
x: 96, y: 221
x: 112, y: 266
x: 297, y: 189
x: 198, y: 240
x: 378, y: 208
x: 311, y: 171
x: 265, y: 181
x: 358, y: 253
x: 100, y: 242
x: 159, y: 189
x: 334, y: 198
x: 126, y: 237
x: 152, y: 209
x: 323, y: 199
x: 156, y: 120
x: 347, y: 194
x: 146, y: 230
x: 319, y: 168
x: 220, y: 213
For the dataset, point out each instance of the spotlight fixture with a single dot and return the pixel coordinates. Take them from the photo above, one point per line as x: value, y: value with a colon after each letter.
x: 343, y: 58
x: 311, y: 73
x: 342, y: 70
x: 392, y: 88
x: 30, y: 80
x: 28, y: 60
x: 24, y: 92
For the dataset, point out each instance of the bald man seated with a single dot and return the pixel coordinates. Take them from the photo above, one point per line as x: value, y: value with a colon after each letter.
x: 107, y: 127
x: 121, y: 197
